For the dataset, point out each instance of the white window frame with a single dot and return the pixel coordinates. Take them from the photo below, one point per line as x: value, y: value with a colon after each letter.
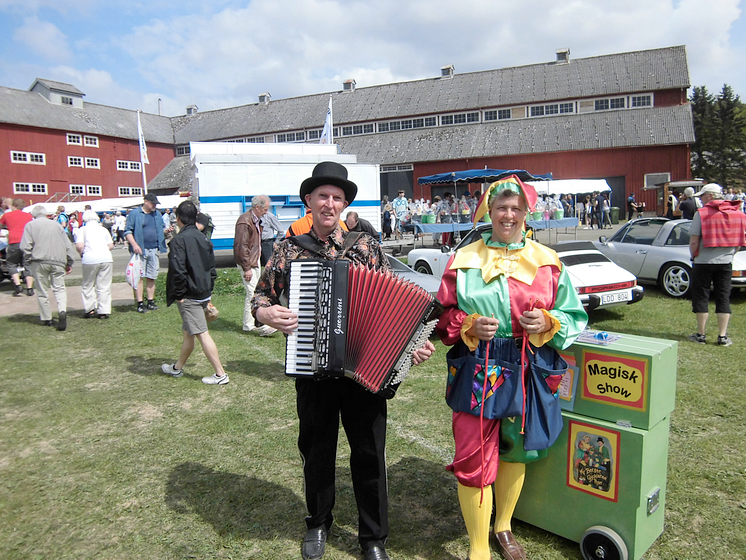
x: 90, y: 141
x: 93, y: 190
x: 92, y: 163
x: 71, y: 139
x: 635, y: 101
x: 77, y: 189
x: 30, y: 188
x: 130, y: 191
x: 74, y: 161
x: 123, y: 165
x: 27, y: 157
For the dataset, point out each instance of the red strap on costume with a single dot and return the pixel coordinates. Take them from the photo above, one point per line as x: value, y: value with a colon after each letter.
x: 481, y: 417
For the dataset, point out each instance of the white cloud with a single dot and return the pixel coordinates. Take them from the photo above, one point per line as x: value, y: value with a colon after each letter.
x: 44, y: 39
x: 226, y: 52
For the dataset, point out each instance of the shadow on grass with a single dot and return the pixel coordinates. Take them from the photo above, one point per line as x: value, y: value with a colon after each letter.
x: 423, y: 517
x: 30, y: 319
x: 239, y: 505
x: 267, y: 371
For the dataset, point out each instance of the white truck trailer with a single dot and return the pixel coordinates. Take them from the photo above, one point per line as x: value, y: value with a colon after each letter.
x: 227, y: 175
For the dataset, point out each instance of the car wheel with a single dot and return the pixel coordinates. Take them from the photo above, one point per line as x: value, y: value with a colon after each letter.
x: 423, y: 268
x: 676, y: 280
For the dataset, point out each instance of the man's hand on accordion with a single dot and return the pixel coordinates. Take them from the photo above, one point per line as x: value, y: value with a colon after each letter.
x: 278, y: 317
x: 422, y: 354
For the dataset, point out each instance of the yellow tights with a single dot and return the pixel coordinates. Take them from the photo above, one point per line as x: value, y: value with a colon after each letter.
x: 508, y: 486
x: 477, y: 519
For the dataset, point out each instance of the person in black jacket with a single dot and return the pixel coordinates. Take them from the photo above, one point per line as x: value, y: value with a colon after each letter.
x: 356, y: 223
x: 190, y: 281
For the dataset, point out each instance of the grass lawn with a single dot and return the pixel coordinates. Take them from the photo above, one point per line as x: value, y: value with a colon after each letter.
x: 105, y: 457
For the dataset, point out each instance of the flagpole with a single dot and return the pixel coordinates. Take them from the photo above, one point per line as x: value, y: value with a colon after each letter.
x: 143, y: 153
x: 327, y: 134
x: 331, y: 121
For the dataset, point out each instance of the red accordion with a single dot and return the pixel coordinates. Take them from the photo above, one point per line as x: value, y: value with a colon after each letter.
x: 356, y: 321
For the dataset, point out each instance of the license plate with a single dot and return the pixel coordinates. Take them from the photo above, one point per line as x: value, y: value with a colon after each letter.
x: 616, y: 297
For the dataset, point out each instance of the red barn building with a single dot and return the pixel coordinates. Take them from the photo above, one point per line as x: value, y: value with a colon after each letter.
x: 621, y: 117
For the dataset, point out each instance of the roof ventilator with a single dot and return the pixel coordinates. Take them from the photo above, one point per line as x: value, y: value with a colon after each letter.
x: 563, y: 55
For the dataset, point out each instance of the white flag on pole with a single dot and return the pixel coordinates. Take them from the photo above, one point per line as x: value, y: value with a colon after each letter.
x: 327, y: 137
x: 141, y: 138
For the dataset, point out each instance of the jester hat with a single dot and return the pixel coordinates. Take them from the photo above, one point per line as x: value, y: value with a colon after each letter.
x: 511, y: 183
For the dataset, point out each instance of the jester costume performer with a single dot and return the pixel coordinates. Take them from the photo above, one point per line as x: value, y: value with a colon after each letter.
x: 509, y: 306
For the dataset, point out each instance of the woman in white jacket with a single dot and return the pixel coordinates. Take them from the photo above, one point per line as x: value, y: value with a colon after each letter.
x: 94, y: 243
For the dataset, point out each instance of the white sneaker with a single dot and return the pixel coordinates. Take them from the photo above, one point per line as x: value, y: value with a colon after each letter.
x: 215, y: 380
x: 170, y: 369
x: 264, y: 330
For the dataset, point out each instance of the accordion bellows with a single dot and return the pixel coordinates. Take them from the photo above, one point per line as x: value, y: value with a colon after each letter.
x: 356, y: 321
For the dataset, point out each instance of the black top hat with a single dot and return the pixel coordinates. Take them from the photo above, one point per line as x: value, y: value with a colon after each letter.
x: 329, y: 173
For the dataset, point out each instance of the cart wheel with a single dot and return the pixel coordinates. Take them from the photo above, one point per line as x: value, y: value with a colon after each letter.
x: 602, y: 543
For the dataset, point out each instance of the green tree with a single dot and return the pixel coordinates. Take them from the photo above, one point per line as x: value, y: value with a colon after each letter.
x: 702, y: 103
x: 719, y: 151
x: 730, y: 139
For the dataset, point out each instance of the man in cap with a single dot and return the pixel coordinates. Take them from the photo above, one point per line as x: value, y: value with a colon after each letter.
x: 145, y: 233
x: 717, y: 232
x: 321, y: 402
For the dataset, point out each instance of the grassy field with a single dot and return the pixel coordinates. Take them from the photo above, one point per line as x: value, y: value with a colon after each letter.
x: 105, y: 457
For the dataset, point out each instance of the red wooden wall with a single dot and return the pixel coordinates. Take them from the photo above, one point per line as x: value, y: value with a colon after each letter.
x: 56, y: 173
x: 631, y: 163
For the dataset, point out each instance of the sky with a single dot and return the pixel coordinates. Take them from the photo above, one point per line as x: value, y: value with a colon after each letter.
x: 225, y: 53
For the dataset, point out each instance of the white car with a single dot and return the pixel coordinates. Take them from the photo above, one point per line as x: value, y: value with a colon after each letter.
x: 599, y: 282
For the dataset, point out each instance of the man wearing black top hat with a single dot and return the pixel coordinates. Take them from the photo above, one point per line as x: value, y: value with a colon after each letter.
x: 321, y: 403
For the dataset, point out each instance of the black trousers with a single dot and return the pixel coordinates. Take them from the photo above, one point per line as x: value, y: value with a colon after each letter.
x: 717, y: 276
x: 321, y: 404
x: 268, y: 247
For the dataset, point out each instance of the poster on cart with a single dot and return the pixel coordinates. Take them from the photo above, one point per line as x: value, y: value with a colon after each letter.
x: 593, y: 460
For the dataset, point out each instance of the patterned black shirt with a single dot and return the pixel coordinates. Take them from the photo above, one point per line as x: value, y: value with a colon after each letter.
x: 274, y: 280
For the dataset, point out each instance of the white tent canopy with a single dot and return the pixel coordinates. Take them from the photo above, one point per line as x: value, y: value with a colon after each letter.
x: 109, y: 204
x: 570, y: 186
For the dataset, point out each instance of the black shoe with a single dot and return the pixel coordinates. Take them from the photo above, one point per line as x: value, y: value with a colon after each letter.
x: 376, y: 553
x: 62, y: 324
x: 314, y: 543
x: 18, y: 292
x: 29, y: 291
x: 47, y: 323
x: 141, y: 308
x: 103, y: 316
x: 90, y: 315
x: 152, y: 306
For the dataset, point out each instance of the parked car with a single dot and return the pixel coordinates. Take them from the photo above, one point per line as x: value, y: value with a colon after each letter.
x: 424, y: 281
x: 599, y: 282
x: 656, y: 250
